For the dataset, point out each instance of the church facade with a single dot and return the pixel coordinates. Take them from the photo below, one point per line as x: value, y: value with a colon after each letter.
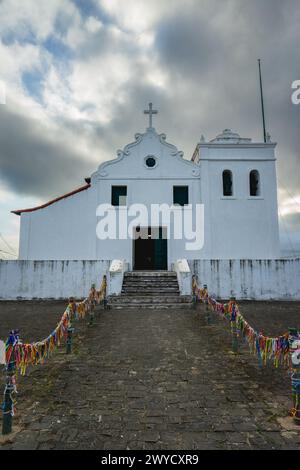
x: 149, y: 209
x: 228, y: 189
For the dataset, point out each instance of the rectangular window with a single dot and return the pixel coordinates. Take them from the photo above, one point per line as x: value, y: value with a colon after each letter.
x: 180, y: 195
x: 118, y: 195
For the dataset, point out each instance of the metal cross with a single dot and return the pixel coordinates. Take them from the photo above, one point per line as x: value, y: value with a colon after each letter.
x: 150, y: 111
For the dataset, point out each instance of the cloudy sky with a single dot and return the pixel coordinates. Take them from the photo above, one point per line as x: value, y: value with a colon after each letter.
x: 78, y: 73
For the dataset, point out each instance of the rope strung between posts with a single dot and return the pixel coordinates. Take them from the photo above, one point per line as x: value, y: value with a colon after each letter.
x: 36, y: 352
x: 283, y: 349
x: 19, y: 355
x: 294, y: 344
x: 265, y: 347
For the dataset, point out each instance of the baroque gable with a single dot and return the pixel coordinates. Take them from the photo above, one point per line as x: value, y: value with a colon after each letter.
x: 131, y: 162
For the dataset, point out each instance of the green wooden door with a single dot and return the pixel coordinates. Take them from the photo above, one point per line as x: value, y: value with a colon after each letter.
x: 160, y: 252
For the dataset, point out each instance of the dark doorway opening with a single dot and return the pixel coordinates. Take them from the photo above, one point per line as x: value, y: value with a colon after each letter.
x: 150, y: 249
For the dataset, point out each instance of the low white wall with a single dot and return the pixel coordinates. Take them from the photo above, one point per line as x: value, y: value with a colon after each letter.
x: 245, y: 279
x: 116, y: 275
x: 184, y: 276
x: 49, y: 279
x: 250, y: 279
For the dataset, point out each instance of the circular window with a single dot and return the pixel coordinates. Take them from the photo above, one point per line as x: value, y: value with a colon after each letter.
x: 150, y: 162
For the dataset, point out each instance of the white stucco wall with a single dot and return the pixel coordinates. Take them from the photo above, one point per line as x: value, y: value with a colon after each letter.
x: 64, y: 230
x: 239, y: 226
x: 115, y: 277
x: 146, y: 186
x: 49, y: 279
x: 246, y: 279
x: 250, y: 279
x: 184, y: 276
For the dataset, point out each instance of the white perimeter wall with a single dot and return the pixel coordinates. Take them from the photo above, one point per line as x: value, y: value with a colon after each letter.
x: 250, y: 279
x: 49, y: 279
x: 245, y: 279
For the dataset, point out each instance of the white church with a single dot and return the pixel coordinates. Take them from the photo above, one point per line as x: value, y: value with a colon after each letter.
x: 234, y: 179
x: 230, y: 177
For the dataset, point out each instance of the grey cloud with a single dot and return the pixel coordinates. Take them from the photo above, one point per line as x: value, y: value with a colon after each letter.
x: 222, y: 82
x: 209, y: 50
x: 187, y: 44
x: 105, y: 42
x: 290, y: 222
x: 212, y: 58
x: 32, y: 163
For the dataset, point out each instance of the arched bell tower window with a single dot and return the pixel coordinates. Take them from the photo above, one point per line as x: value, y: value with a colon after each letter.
x: 227, y: 183
x: 254, y: 181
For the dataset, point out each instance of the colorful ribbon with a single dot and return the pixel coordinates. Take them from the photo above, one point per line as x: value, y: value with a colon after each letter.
x: 37, y: 352
x: 265, y: 347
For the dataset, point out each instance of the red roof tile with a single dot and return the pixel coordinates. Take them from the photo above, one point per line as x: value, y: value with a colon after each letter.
x: 78, y: 190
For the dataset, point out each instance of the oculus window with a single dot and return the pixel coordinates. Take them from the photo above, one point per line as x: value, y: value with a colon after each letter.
x: 150, y: 162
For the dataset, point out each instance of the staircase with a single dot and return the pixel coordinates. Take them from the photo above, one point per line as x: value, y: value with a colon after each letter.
x: 150, y: 289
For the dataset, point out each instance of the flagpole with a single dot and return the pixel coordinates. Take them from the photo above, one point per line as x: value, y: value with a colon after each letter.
x: 262, y: 102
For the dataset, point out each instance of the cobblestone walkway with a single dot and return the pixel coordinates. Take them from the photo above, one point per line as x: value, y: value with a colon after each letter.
x: 153, y: 380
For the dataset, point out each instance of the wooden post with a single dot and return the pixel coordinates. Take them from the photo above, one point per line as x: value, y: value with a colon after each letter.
x: 105, y: 306
x: 10, y: 385
x: 71, y: 329
x: 294, y: 347
x: 91, y: 320
x: 207, y: 309
x: 234, y: 335
x: 92, y: 314
x: 69, y: 339
x: 194, y: 296
x: 92, y: 303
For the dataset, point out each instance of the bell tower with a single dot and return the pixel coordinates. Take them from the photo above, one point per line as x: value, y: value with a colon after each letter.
x: 239, y: 193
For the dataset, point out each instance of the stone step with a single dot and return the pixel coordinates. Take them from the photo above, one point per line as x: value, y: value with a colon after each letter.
x: 139, y: 299
x: 150, y: 278
x: 150, y: 290
x: 153, y: 280
x: 150, y: 285
x: 144, y: 280
x: 150, y: 274
x: 143, y: 306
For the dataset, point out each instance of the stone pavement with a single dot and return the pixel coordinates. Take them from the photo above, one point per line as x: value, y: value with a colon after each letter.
x: 153, y: 380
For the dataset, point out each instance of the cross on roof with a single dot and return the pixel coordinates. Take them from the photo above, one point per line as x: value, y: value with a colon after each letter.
x: 150, y: 111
